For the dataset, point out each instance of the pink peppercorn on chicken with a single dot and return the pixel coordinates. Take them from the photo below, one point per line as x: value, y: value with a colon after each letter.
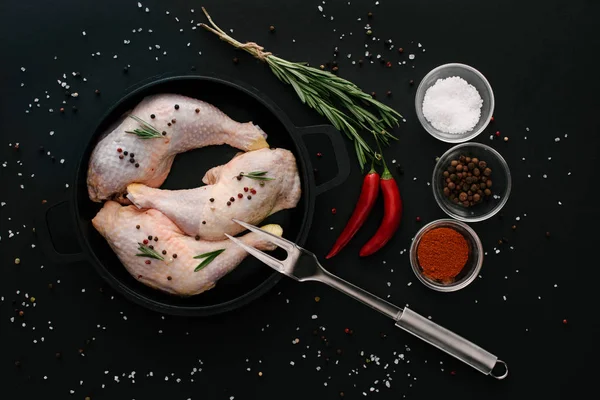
x: 250, y: 187
x: 157, y: 253
x: 141, y: 149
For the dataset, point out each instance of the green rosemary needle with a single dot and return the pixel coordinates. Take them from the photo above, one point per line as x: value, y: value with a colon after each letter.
x: 208, y: 258
x: 147, y: 131
x: 257, y: 175
x: 145, y: 251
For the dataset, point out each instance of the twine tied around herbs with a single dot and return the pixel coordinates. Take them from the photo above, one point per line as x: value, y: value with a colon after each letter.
x: 259, y: 50
x: 251, y: 47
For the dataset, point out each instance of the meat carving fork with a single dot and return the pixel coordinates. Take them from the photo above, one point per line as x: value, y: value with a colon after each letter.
x: 303, y: 265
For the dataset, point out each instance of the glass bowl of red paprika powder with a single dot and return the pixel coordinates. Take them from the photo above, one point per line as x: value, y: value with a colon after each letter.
x: 446, y: 255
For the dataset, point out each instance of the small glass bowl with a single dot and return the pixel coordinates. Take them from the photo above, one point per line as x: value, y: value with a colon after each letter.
x: 471, y: 268
x: 473, y: 77
x: 501, y: 183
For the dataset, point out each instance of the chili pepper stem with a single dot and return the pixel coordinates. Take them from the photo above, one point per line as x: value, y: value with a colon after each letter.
x: 386, y: 172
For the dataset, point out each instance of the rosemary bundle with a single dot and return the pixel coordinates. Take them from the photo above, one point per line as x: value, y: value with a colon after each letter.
x: 347, y: 107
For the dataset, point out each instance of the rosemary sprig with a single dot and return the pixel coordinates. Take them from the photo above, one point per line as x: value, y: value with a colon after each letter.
x: 347, y: 107
x: 148, y: 131
x: 257, y: 175
x: 208, y: 258
x: 146, y: 251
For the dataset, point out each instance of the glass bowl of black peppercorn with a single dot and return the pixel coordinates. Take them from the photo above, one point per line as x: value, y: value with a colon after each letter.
x: 471, y: 182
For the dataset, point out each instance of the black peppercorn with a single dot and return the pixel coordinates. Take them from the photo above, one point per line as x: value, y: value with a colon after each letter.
x: 177, y: 106
x: 463, y: 182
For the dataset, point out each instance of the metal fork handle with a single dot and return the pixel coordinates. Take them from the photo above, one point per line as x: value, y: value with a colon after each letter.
x: 419, y: 326
x: 449, y: 342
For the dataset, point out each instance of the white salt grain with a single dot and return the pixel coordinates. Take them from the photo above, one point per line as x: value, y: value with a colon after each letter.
x: 452, y: 105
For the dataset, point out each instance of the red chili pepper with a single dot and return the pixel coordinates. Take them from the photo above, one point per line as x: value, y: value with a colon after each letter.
x: 392, y: 205
x: 368, y: 195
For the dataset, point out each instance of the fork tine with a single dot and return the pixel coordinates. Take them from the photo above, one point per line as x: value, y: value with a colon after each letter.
x: 265, y: 258
x: 277, y: 240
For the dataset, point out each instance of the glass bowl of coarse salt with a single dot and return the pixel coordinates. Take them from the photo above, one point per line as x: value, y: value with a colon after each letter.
x: 454, y: 103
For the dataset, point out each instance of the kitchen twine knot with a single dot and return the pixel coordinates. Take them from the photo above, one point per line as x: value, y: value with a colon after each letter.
x: 259, y: 50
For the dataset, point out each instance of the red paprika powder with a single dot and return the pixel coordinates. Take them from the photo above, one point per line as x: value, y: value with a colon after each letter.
x: 442, y: 254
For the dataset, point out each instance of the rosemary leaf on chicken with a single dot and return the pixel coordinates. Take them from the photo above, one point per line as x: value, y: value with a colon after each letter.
x: 147, y: 131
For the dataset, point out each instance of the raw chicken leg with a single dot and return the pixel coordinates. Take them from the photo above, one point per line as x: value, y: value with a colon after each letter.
x: 122, y: 158
x: 207, y: 211
x: 119, y: 226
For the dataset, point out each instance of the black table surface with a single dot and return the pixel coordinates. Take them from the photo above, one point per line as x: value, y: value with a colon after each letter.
x: 534, y: 306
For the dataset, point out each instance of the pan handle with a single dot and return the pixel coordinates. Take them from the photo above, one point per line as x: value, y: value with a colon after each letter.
x: 45, y: 239
x: 341, y: 154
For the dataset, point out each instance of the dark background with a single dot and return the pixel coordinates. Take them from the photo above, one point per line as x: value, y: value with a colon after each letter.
x: 538, y: 56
